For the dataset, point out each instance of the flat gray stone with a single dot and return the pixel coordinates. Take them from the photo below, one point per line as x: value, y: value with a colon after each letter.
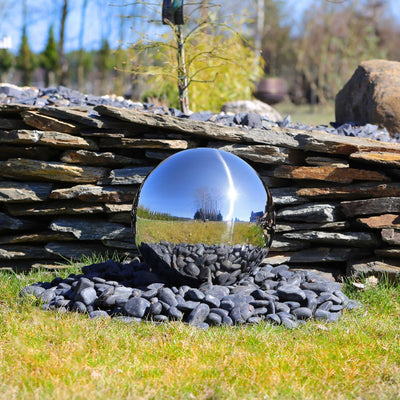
x: 315, y: 212
x: 354, y: 239
x: 371, y: 206
x: 91, y: 230
x: 14, y: 192
x: 127, y: 176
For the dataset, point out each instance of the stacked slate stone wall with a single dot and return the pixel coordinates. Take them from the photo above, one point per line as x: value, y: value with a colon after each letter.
x: 68, y: 177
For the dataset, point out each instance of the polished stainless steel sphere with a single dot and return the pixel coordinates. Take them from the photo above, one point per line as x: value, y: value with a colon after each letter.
x: 203, y: 212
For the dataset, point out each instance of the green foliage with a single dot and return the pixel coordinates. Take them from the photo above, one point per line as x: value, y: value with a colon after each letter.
x: 26, y: 60
x: 105, y: 62
x: 49, y: 56
x: 220, y: 64
x: 6, y: 60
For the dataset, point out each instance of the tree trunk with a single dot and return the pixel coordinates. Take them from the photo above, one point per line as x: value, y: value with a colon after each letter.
x: 182, y: 72
x: 80, y: 54
x: 63, y: 67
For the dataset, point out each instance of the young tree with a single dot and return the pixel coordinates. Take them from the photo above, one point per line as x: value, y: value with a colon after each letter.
x: 6, y: 62
x: 197, y: 53
x: 49, y: 58
x: 26, y: 61
x: 104, y: 63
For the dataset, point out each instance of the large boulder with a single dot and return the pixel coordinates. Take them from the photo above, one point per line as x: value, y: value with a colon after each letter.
x: 372, y: 95
x: 252, y: 106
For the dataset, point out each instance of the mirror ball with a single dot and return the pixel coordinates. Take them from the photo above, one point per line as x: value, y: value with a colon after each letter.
x: 205, y: 215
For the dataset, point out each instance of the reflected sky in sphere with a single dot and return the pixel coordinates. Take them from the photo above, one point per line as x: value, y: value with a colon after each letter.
x: 209, y: 182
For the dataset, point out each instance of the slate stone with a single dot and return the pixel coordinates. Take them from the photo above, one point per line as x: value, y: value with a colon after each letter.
x: 380, y: 158
x: 72, y: 250
x: 316, y: 212
x: 22, y: 192
x: 22, y: 251
x: 22, y: 169
x: 98, y: 314
x: 129, y: 143
x: 46, y: 123
x: 355, y: 239
x: 55, y: 208
x: 92, y: 193
x: 51, y: 139
x: 104, y: 159
x: 126, y: 176
x: 351, y: 192
x: 371, y: 206
x: 90, y: 230
x: 381, y: 221
x: 389, y: 268
x: 328, y: 174
x: 391, y: 236
x: 136, y: 307
x: 259, y: 153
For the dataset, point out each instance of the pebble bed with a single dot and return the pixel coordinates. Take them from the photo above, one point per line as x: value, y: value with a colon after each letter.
x: 133, y: 292
x: 198, y: 263
x: 64, y: 97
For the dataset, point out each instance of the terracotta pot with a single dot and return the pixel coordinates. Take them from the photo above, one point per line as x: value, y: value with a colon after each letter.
x: 271, y: 90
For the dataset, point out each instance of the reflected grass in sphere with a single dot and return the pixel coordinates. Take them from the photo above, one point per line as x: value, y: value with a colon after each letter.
x: 203, y: 199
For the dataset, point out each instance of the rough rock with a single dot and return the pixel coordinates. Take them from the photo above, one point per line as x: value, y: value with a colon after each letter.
x: 354, y: 239
x: 383, y: 158
x: 51, y: 139
x: 371, y: 206
x: 328, y: 226
x: 22, y: 192
x: 32, y: 152
x: 259, y: 153
x: 46, y: 123
x: 107, y: 159
x: 252, y: 106
x: 388, y: 252
x: 19, y: 252
x: 39, y: 237
x: 381, y: 221
x: 316, y: 212
x: 90, y: 229
x: 23, y: 169
x: 55, y: 208
x: 129, y: 143
x: 372, y: 95
x: 391, y: 236
x: 287, y: 195
x: 353, y: 191
x: 71, y: 250
x: 329, y: 174
x: 96, y: 194
x: 374, y: 267
x: 126, y: 176
x: 327, y: 161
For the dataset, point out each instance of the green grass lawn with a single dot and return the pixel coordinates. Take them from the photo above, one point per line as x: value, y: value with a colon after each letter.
x: 48, y: 355
x: 307, y: 114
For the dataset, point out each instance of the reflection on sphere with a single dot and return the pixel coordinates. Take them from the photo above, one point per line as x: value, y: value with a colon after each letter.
x: 204, y: 213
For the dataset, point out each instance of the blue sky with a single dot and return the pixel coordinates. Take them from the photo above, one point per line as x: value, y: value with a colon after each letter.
x: 42, y: 13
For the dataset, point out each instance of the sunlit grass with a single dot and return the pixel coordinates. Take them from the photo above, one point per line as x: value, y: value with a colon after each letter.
x: 47, y: 355
x: 210, y: 232
x: 308, y: 114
